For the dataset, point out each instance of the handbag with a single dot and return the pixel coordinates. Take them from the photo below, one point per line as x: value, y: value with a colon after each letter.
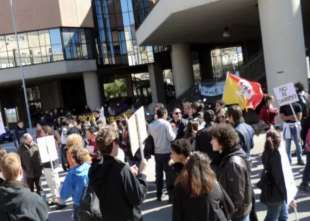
x: 265, y: 185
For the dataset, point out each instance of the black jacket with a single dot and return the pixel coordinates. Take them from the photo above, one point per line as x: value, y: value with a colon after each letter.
x: 181, y: 125
x: 174, y: 173
x: 119, y: 192
x: 31, y: 161
x: 273, y: 167
x: 305, y: 126
x: 189, y: 208
x: 203, y: 144
x: 233, y: 174
x: 18, y: 203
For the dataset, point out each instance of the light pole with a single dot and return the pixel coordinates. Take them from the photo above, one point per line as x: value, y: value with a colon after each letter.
x: 19, y: 61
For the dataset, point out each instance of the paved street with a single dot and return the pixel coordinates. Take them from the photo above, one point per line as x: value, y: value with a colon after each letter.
x: 155, y: 211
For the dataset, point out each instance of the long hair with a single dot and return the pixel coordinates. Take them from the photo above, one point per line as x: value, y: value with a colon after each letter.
x: 273, y: 141
x: 197, y: 178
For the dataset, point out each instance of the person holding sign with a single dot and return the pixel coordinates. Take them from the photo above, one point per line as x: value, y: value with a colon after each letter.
x: 120, y: 188
x: 274, y: 186
x: 291, y: 114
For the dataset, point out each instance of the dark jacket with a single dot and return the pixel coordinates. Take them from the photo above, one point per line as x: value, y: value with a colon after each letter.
x: 203, y: 144
x: 120, y: 193
x: 30, y: 158
x: 233, y: 174
x: 189, y: 208
x: 305, y: 126
x: 273, y: 167
x: 18, y: 203
x: 175, y: 171
x: 181, y: 125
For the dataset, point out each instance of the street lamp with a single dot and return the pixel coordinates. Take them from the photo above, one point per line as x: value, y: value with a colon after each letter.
x: 19, y: 63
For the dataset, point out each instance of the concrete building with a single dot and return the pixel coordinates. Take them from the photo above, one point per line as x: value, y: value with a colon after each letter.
x: 273, y: 36
x: 58, y: 56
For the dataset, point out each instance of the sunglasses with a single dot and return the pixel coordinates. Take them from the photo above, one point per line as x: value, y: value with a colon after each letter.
x: 177, y: 113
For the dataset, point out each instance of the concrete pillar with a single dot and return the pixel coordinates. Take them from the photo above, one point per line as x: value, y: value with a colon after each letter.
x: 157, y: 83
x: 92, y: 90
x: 283, y: 42
x: 182, y: 68
x: 205, y: 61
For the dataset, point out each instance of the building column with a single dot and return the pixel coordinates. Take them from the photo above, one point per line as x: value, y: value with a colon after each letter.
x: 157, y: 83
x: 182, y: 68
x: 205, y: 61
x: 92, y: 90
x: 283, y: 42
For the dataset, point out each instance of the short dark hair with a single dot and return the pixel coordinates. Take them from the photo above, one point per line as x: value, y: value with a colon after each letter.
x: 225, y: 135
x: 236, y: 113
x: 161, y: 112
x: 182, y: 147
x: 209, y: 116
x: 299, y: 86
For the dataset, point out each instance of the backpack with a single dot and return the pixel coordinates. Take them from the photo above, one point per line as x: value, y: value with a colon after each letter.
x: 89, y: 206
x: 307, y: 143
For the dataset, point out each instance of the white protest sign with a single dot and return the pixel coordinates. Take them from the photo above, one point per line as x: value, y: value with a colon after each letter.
x: 291, y: 189
x: 286, y: 94
x: 47, y: 149
x: 2, y: 128
x: 133, y: 134
x: 137, y: 131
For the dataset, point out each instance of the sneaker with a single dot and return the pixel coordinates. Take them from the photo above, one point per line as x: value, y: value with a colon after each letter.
x: 60, y: 206
x: 301, y: 163
x: 159, y: 198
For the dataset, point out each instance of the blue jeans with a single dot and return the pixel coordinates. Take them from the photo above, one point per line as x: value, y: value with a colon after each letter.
x: 277, y: 212
x: 288, y: 142
x: 306, y: 174
x: 246, y: 218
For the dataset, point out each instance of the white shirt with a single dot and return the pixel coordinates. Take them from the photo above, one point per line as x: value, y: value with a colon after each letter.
x: 162, y: 133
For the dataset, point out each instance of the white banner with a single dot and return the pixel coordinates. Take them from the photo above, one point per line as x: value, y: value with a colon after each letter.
x: 286, y: 94
x: 212, y: 90
x: 2, y: 128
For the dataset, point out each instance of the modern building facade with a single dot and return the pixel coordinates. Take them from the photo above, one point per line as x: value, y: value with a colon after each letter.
x: 274, y: 37
x: 57, y: 56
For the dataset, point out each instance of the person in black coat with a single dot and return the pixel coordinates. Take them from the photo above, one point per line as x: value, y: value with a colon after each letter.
x: 120, y: 189
x: 198, y: 195
x: 274, y: 195
x: 305, y: 126
x: 203, y: 138
x: 178, y: 123
x: 16, y: 201
x: 180, y: 151
x: 233, y: 171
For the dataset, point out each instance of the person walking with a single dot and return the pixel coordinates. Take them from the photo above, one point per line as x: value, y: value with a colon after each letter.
x: 17, y: 202
x: 305, y: 136
x: 292, y: 129
x: 244, y: 130
x: 77, y: 178
x: 198, y: 195
x: 233, y: 171
x: 274, y: 193
x: 120, y: 188
x: 31, y: 162
x: 162, y: 133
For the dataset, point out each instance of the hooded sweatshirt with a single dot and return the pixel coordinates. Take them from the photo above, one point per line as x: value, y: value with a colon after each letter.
x: 120, y: 193
x: 18, y: 203
x: 75, y: 183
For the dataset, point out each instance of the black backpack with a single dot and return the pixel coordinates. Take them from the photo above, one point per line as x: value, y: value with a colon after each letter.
x: 89, y: 206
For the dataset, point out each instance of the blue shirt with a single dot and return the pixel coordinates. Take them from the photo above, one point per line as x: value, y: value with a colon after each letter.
x: 75, y: 183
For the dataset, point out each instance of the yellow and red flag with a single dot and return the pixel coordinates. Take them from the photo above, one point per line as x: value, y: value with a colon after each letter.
x: 248, y: 94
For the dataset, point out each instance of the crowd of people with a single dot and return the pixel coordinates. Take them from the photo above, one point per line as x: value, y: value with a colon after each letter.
x: 204, y: 154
